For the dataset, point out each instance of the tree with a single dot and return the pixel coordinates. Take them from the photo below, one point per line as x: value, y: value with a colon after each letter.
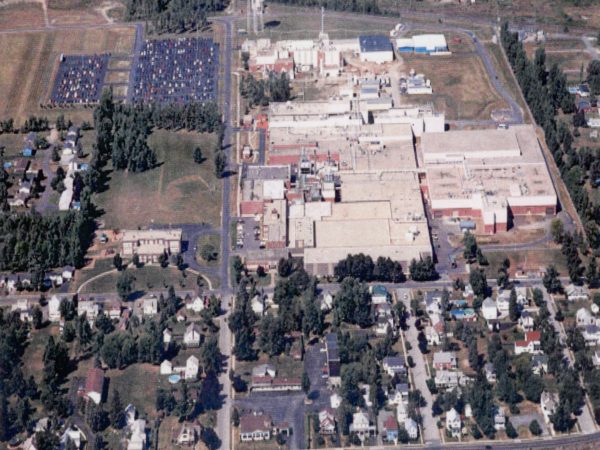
x: 272, y: 335
x: 538, y: 297
x: 198, y: 157
x: 117, y: 413
x: 46, y: 440
x: 551, y: 280
x: 208, y: 252
x: 478, y: 282
x: 118, y: 262
x: 210, y: 355
x: 136, y: 261
x: 125, y: 284
x: 38, y: 318
x: 535, y: 428
x: 561, y: 419
x: 305, y: 383
x: 470, y: 247
x: 557, y: 229
x: 513, y: 307
x: 423, y: 270
x: 235, y: 417
x: 591, y: 273
x: 220, y: 163
x: 4, y: 419
x: 511, y: 432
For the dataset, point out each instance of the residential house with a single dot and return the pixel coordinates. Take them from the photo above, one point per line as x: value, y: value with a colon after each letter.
x: 167, y: 336
x: 444, y: 360
x: 468, y: 293
x: 130, y: 415
x: 453, y: 423
x: 399, y: 394
x: 383, y: 310
x: 335, y: 400
x: 19, y: 200
x: 196, y: 305
x: 255, y: 427
x: 192, y: 335
x: 54, y: 279
x: 384, y: 326
x: 393, y: 365
x: 531, y: 344
x: 539, y: 364
x: 166, y: 367
x: 326, y: 302
x: 591, y: 335
x: 258, y: 304
x: 68, y: 273
x: 432, y: 336
x: 361, y: 425
x: 433, y: 302
x: 499, y: 419
x: 489, y: 310
x: 25, y: 309
x: 94, y: 385
x: 327, y: 421
x: 522, y: 299
x: 366, y: 394
x: 526, y: 321
x: 448, y: 379
x: 584, y: 317
x: 490, y: 372
x: 264, y: 370
x: 188, y: 434
x: 411, y: 429
x: 72, y: 435
x: 401, y: 412
x: 138, y: 438
x: 192, y: 367
x: 54, y: 309
x: 503, y: 302
x: 388, y: 427
x: 149, y: 306
x: 114, y: 310
x: 90, y: 308
x: 379, y: 294
x: 548, y: 402
x: 577, y: 293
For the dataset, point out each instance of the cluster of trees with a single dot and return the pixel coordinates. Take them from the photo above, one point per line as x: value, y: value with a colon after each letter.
x: 353, y: 303
x: 471, y: 251
x: 34, y: 123
x: 36, y: 243
x: 242, y: 321
x: 7, y: 126
x: 173, y: 16
x: 275, y: 88
x: 362, y: 267
x: 545, y: 92
x: 195, y: 116
x: 423, y: 269
x: 593, y: 76
x: 363, y: 7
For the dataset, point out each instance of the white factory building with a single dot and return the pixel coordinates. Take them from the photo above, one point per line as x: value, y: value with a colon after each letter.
x: 429, y: 44
x: 377, y: 49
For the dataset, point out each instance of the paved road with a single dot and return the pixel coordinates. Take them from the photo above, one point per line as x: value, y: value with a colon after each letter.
x: 135, y: 57
x: 419, y: 375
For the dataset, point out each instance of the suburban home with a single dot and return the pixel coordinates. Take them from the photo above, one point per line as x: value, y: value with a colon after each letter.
x: 138, y: 438
x: 196, y: 305
x: 264, y: 370
x: 114, y: 310
x: 499, y: 419
x: 401, y: 412
x: 74, y: 435
x: 379, y: 294
x: 90, y: 308
x: 167, y: 336
x: 531, y: 344
x: 54, y: 309
x: 393, y: 365
x: 166, y: 367
x: 24, y: 308
x: 388, y: 427
x: 596, y: 358
x: 539, y: 364
x: 94, y: 385
x: 411, y: 428
x: 68, y: 272
x: 335, y: 400
x: 522, y: 299
x: 149, y: 306
x: 192, y: 367
x: 130, y: 415
x: 258, y: 305
x: 326, y: 302
x: 584, y: 318
x: 490, y: 372
x: 444, y: 360
x: 526, y: 321
x: 384, y: 326
x: 548, y: 402
x: 489, y: 310
x: 576, y: 293
x: 361, y: 425
x: 327, y: 421
x: 453, y: 423
x: 192, y: 335
x: 591, y: 335
x: 503, y: 301
x: 383, y: 310
x: 255, y: 427
x: 188, y: 434
x: 433, y: 302
x: 448, y: 379
x: 468, y: 293
x: 432, y: 336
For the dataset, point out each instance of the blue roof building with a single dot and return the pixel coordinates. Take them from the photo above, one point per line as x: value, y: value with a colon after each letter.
x: 27, y: 152
x: 375, y: 48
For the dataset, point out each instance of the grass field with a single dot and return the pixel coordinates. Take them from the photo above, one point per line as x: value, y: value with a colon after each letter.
x: 527, y: 260
x: 23, y: 16
x: 136, y: 385
x: 460, y: 93
x: 146, y: 278
x: 29, y: 61
x: 178, y: 191
x: 209, y: 239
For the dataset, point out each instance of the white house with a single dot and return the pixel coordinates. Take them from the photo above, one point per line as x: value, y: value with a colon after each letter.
x: 361, y: 425
x: 192, y: 335
x: 526, y: 321
x: 499, y: 419
x: 448, y: 379
x: 490, y: 372
x: 591, y: 335
x: 522, y: 296
x: 138, y: 435
x: 327, y: 421
x: 384, y: 326
x: 264, y: 370
x: 24, y: 308
x: 130, y: 415
x: 433, y: 302
x: 453, y: 423
x: 444, y: 360
x: 489, y: 310
x: 432, y: 336
x: 577, y: 293
x: 548, y: 403
x: 335, y: 401
x: 503, y: 301
x: 326, y: 302
x: 379, y: 295
x: 192, y: 367
x: 196, y: 305
x: 258, y: 305
x: 189, y: 433
x: 150, y: 306
x: 166, y: 367
x: 90, y: 308
x: 401, y: 412
x: 54, y: 309
x: 411, y: 428
x: 68, y: 272
x: 167, y: 336
x: 584, y: 318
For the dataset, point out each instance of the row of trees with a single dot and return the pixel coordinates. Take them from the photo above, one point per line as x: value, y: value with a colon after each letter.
x: 275, y: 88
x: 362, y: 267
x: 173, y: 16
x: 363, y: 6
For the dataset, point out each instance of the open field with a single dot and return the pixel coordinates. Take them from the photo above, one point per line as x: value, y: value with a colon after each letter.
x: 208, y: 239
x: 178, y: 191
x: 462, y: 94
x: 527, y: 260
x: 28, y: 15
x: 140, y: 394
x: 146, y: 278
x: 30, y: 59
x: 569, y: 54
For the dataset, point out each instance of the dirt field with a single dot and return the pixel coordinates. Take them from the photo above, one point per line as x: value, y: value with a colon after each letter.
x: 569, y: 54
x: 461, y: 93
x: 29, y: 60
x: 25, y: 16
x: 179, y: 191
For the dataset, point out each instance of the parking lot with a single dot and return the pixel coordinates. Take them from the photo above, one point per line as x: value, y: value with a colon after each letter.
x: 79, y: 79
x: 246, y: 233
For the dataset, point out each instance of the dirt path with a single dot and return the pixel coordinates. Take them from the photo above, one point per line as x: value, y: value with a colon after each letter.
x: 104, y: 8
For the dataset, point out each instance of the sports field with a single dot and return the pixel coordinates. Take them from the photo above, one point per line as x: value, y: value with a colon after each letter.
x: 30, y: 59
x: 178, y: 191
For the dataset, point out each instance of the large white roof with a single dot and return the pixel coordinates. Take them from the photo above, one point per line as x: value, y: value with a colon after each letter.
x: 429, y: 40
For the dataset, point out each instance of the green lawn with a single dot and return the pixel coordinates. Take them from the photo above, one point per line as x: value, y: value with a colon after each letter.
x: 529, y: 260
x: 137, y: 385
x: 177, y: 191
x: 209, y: 239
